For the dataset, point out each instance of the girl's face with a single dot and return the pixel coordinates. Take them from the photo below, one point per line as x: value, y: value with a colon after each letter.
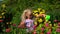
x: 28, y: 14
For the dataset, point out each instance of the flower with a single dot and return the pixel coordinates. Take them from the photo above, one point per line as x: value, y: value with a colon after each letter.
x: 34, y: 27
x: 46, y: 24
x: 3, y: 5
x: 43, y: 11
x: 48, y: 32
x: 42, y: 28
x: 35, y: 23
x: 8, y: 30
x: 50, y: 24
x: 14, y: 24
x: 0, y: 16
x: 54, y: 24
x: 55, y: 20
x: 58, y: 30
x: 40, y: 20
x: 3, y: 13
x: 59, y: 24
x: 7, y: 23
x: 39, y: 9
x: 1, y: 20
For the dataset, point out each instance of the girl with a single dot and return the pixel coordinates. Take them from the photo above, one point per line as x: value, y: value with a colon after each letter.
x: 27, y: 20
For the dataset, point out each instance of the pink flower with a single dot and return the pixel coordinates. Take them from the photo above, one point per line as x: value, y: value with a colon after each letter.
x: 34, y: 26
x: 55, y: 20
x: 42, y: 29
x: 59, y: 24
x: 14, y: 24
x: 58, y: 30
x: 8, y: 30
x: 46, y: 24
x: 48, y: 32
x: 1, y: 20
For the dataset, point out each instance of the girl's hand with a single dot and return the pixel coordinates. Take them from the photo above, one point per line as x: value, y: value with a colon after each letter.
x: 21, y: 25
x: 18, y: 26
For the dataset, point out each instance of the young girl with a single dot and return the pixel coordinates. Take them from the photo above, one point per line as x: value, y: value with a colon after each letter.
x: 27, y: 20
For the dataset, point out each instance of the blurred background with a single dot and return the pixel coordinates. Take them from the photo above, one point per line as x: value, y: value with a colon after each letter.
x: 11, y: 10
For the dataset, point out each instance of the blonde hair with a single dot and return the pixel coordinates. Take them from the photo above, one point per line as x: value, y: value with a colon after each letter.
x: 23, y: 16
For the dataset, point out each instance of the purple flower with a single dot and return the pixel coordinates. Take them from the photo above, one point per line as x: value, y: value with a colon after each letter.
x: 58, y: 30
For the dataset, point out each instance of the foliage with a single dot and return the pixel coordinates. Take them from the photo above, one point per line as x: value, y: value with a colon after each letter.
x: 16, y: 7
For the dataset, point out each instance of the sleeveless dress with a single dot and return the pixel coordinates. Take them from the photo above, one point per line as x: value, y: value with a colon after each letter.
x: 29, y: 25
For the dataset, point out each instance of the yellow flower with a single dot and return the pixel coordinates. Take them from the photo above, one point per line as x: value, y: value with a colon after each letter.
x: 43, y: 11
x: 49, y: 21
x: 39, y: 9
x: 36, y: 14
x: 54, y: 24
x: 7, y: 23
x: 3, y: 5
x: 35, y: 23
x: 40, y: 20
x: 45, y: 22
x: 50, y: 24
x: 35, y: 11
x: 40, y: 12
x: 0, y: 16
x: 3, y: 13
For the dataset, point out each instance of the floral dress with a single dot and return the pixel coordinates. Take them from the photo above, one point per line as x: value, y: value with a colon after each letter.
x: 29, y: 25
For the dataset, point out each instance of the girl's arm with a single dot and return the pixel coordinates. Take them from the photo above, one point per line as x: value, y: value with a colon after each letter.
x: 21, y: 25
